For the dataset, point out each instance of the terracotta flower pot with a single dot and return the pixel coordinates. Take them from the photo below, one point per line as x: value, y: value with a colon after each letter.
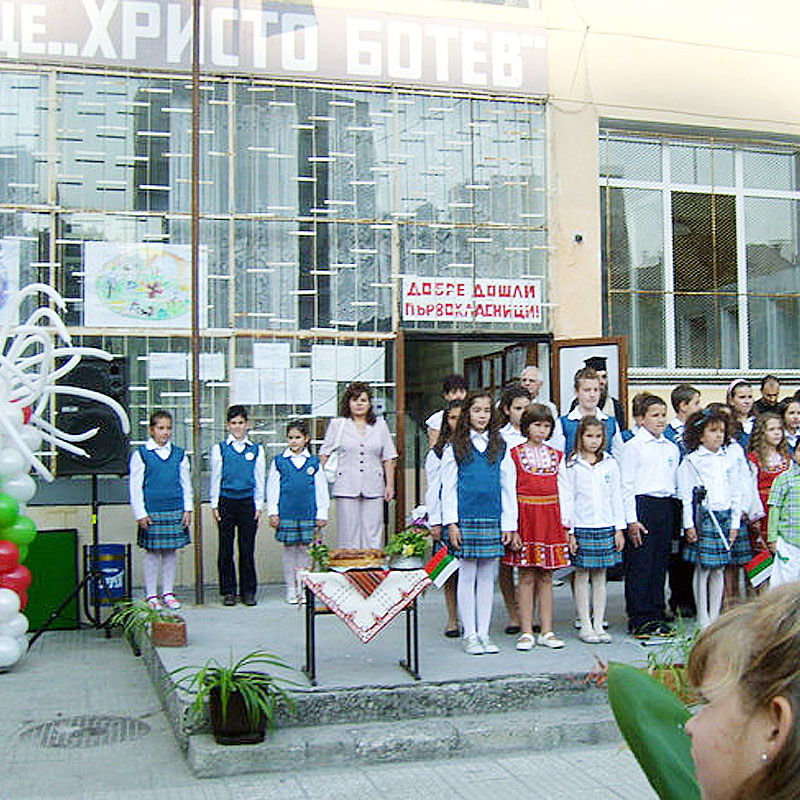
x: 236, y: 727
x: 168, y: 633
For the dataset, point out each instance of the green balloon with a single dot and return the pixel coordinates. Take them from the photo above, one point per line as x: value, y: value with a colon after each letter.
x: 23, y: 552
x: 9, y: 510
x: 22, y: 532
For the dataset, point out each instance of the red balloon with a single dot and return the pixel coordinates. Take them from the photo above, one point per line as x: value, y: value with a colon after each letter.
x: 9, y: 556
x: 18, y: 578
x: 23, y: 599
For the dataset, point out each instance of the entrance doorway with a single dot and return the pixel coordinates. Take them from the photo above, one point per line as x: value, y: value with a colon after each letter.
x: 488, y: 361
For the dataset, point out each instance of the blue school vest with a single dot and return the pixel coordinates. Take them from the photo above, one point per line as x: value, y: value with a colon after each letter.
x: 162, y: 480
x: 569, y: 427
x: 478, y: 488
x: 298, y: 498
x: 238, y: 480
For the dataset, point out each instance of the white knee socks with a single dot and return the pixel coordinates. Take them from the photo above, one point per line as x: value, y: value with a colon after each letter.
x: 295, y: 556
x: 598, y: 598
x: 150, y: 561
x: 581, y: 587
x: 709, y: 585
x: 475, y: 595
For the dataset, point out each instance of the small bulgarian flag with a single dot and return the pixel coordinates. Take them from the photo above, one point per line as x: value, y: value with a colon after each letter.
x: 759, y: 568
x: 441, y: 567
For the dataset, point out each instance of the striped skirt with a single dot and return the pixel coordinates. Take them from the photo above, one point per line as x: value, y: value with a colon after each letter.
x: 709, y: 551
x: 480, y: 538
x: 166, y: 531
x: 296, y: 531
x: 596, y: 549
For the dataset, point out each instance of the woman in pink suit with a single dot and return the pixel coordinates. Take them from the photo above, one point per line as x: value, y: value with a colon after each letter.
x: 365, y: 474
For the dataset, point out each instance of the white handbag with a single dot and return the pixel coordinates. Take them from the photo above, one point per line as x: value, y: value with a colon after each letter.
x: 331, y: 468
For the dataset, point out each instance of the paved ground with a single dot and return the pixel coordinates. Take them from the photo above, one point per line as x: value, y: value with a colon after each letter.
x: 59, y: 744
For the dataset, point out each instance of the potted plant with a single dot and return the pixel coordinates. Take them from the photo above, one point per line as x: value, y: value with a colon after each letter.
x: 242, y: 697
x: 136, y: 618
x: 667, y: 663
x: 406, y: 548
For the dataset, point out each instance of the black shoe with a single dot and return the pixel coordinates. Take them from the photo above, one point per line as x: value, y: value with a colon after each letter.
x: 229, y: 600
x: 249, y: 599
x: 669, y: 616
x: 537, y: 628
x: 512, y: 630
x: 452, y: 633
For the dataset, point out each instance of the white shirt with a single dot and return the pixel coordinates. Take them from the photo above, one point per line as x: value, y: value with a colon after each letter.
x: 590, y: 495
x: 720, y: 474
x: 433, y: 488
x: 434, y: 421
x: 512, y: 436
x: 215, y: 458
x: 508, y: 484
x: 136, y: 478
x: 648, y: 466
x: 748, y: 475
x: 274, y: 484
x: 559, y: 441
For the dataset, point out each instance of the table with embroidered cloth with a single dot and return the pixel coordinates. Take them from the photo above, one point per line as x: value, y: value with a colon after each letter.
x: 366, y: 600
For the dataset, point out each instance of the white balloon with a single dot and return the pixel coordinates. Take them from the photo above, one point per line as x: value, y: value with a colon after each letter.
x: 13, y: 413
x: 22, y: 488
x: 9, y: 605
x: 10, y: 651
x: 15, y: 627
x: 31, y: 437
x: 12, y: 463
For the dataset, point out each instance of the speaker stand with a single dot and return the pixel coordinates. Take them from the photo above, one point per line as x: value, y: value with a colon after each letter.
x: 93, y: 576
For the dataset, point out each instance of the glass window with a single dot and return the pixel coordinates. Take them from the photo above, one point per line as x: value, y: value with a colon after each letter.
x: 701, y: 164
x: 631, y: 159
x: 770, y: 170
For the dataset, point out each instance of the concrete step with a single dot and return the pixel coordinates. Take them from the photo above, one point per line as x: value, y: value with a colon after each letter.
x: 347, y: 744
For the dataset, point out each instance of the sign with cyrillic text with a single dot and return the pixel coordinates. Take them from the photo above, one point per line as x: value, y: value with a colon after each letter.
x: 465, y: 299
x: 273, y: 38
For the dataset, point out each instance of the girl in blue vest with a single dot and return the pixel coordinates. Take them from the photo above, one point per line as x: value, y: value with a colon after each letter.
x: 161, y: 500
x: 297, y: 502
x: 479, y: 506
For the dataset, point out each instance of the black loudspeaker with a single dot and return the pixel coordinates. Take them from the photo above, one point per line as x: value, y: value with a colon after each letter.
x: 108, y: 448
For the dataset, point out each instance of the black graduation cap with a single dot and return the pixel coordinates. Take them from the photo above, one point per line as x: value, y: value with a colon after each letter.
x: 596, y: 363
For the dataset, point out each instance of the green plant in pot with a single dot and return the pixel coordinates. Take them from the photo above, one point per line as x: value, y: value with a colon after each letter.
x: 242, y: 696
x: 136, y: 618
x: 667, y: 663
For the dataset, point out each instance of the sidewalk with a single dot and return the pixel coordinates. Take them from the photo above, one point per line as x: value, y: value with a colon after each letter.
x: 59, y: 742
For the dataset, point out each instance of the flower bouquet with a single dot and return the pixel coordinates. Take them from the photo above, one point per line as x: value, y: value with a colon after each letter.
x: 407, y: 546
x: 320, y: 556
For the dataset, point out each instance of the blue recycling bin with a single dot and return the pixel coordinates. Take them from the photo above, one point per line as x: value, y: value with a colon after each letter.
x: 112, y: 560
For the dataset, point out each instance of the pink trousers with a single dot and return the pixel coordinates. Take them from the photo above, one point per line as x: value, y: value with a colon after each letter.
x: 359, y: 522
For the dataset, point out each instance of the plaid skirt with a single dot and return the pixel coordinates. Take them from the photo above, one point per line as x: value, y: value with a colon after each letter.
x: 296, y: 531
x: 742, y: 549
x: 480, y: 538
x: 708, y: 550
x: 596, y: 549
x: 166, y: 531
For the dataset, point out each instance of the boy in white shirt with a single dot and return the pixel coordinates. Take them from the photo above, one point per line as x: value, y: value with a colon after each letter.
x: 648, y: 466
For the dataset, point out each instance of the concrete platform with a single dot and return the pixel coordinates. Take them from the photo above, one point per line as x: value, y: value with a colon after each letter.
x: 366, y: 709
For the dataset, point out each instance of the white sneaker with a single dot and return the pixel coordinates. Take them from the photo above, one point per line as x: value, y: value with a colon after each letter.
x: 604, y: 638
x: 473, y: 646
x: 549, y: 640
x: 489, y: 647
x: 291, y: 597
x: 589, y: 636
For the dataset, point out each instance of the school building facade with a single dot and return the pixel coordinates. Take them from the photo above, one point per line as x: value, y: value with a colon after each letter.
x: 396, y: 191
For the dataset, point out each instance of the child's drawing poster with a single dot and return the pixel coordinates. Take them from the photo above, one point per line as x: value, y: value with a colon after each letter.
x: 9, y: 276
x: 140, y: 285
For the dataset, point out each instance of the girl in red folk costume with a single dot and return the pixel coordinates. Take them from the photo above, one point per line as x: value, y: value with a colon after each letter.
x: 768, y: 452
x: 540, y: 544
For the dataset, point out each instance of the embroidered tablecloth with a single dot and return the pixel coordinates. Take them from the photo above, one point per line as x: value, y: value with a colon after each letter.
x: 366, y: 612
